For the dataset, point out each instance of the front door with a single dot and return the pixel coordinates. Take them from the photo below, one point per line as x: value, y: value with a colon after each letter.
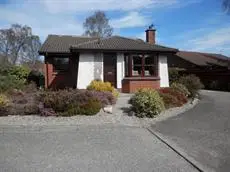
x: 110, y: 68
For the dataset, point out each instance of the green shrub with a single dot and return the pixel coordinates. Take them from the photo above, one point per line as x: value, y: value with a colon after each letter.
x: 173, y: 75
x: 91, y: 107
x: 147, y: 103
x: 13, y: 77
x: 9, y: 82
x: 172, y: 97
x: 20, y: 72
x: 181, y: 88
x: 192, y: 83
x: 98, y: 85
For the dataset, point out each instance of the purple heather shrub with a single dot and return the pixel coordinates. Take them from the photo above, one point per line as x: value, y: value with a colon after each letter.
x: 61, y: 100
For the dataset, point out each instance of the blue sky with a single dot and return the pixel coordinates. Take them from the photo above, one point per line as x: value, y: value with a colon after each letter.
x: 194, y: 25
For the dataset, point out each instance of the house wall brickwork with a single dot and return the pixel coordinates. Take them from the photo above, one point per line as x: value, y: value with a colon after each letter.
x: 131, y: 85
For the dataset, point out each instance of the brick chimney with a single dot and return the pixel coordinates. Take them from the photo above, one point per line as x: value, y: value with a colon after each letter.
x: 151, y: 35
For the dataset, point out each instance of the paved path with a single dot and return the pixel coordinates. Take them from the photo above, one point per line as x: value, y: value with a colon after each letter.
x: 203, y: 132
x: 92, y: 148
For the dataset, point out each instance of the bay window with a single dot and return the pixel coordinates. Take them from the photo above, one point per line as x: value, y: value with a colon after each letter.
x: 140, y: 65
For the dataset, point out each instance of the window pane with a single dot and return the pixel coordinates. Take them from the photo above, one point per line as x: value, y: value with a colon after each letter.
x: 149, y: 60
x: 150, y: 71
x: 136, y: 66
x: 61, y: 64
x: 150, y: 65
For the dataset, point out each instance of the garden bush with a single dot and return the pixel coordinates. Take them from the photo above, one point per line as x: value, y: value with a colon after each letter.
x: 57, y: 100
x: 181, y: 88
x: 91, y: 107
x: 98, y: 85
x: 68, y: 102
x: 172, y: 97
x: 10, y: 82
x: 192, y: 83
x: 147, y: 103
x: 13, y: 77
x: 20, y: 72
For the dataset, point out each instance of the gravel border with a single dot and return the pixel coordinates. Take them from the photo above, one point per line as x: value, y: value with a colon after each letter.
x: 117, y: 118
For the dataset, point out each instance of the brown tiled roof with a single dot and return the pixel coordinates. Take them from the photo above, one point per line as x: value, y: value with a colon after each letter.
x: 63, y: 44
x: 204, y: 59
x: 122, y: 44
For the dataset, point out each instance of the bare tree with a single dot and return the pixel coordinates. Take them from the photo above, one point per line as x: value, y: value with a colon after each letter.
x: 17, y: 43
x: 32, y: 47
x: 97, y: 25
x: 226, y: 6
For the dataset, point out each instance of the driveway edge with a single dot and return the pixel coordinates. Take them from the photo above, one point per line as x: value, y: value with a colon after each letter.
x: 172, y: 145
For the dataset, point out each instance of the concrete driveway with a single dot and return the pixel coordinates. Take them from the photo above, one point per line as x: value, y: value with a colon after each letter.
x: 203, y: 133
x: 92, y: 148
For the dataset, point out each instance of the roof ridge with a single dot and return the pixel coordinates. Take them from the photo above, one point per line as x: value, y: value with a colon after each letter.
x: 74, y: 36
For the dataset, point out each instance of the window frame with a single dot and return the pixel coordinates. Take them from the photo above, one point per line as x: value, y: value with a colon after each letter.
x: 129, y: 64
x: 60, y: 70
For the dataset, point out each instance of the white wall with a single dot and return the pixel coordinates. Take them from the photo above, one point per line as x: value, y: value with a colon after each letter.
x: 98, y: 66
x: 120, y: 69
x: 163, y: 71
x: 85, y: 70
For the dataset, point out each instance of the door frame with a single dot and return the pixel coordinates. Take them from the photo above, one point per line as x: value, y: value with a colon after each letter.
x: 115, y: 75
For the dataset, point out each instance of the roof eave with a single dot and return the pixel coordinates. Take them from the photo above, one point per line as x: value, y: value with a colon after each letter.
x: 75, y: 49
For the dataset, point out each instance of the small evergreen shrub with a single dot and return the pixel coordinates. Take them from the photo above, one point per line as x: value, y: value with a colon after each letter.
x: 181, y: 88
x: 192, y: 83
x: 147, y: 103
x: 98, y: 85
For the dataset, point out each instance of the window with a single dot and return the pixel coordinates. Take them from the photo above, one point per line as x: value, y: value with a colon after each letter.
x: 141, y: 65
x: 60, y: 64
x: 136, y: 65
x: 150, y: 66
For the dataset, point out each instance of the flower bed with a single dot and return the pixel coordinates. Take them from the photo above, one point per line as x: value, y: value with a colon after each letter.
x: 73, y: 102
x: 67, y: 102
